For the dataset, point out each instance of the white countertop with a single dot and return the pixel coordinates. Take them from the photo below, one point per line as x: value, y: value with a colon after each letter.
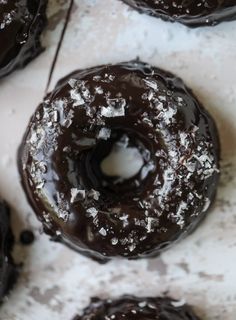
x: 55, y: 282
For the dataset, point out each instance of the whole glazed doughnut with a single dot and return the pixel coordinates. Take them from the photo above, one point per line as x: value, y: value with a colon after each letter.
x: 191, y: 13
x: 8, y: 270
x: 129, y: 307
x: 120, y: 161
x: 21, y: 23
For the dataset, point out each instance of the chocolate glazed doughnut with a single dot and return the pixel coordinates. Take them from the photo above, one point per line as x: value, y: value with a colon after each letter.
x: 90, y: 119
x: 129, y: 307
x: 21, y: 23
x: 191, y: 13
x: 8, y: 270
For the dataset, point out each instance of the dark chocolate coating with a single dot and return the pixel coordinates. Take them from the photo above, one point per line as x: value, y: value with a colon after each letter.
x: 8, y: 270
x: 193, y: 13
x: 27, y: 237
x: 132, y: 308
x: 21, y: 23
x: 75, y: 128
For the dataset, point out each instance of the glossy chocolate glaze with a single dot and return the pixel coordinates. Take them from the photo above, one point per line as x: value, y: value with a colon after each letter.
x: 132, y: 308
x: 21, y: 23
x: 191, y: 13
x: 8, y: 270
x: 75, y: 128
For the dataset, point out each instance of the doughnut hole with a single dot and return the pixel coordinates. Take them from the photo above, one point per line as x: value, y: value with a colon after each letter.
x: 118, y: 165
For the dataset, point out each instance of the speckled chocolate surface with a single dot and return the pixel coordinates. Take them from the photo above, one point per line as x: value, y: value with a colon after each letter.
x: 21, y: 23
x: 76, y: 127
x: 191, y: 13
x: 130, y: 307
x: 57, y: 283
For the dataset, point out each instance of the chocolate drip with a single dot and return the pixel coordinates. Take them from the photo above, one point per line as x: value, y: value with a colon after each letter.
x: 54, y: 62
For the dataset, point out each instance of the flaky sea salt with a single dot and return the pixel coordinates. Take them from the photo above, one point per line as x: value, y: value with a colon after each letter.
x: 92, y: 212
x: 103, y: 232
x: 115, y: 108
x: 77, y: 195
x: 104, y: 134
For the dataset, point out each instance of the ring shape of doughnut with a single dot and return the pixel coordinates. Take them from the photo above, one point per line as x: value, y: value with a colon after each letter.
x: 8, y: 270
x: 21, y: 23
x: 129, y: 307
x: 191, y: 13
x: 120, y: 160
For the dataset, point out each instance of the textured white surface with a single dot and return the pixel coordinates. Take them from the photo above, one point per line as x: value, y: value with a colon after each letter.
x: 55, y: 282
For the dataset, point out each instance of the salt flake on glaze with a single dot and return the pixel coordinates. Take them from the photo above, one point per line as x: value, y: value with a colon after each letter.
x: 115, y: 108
